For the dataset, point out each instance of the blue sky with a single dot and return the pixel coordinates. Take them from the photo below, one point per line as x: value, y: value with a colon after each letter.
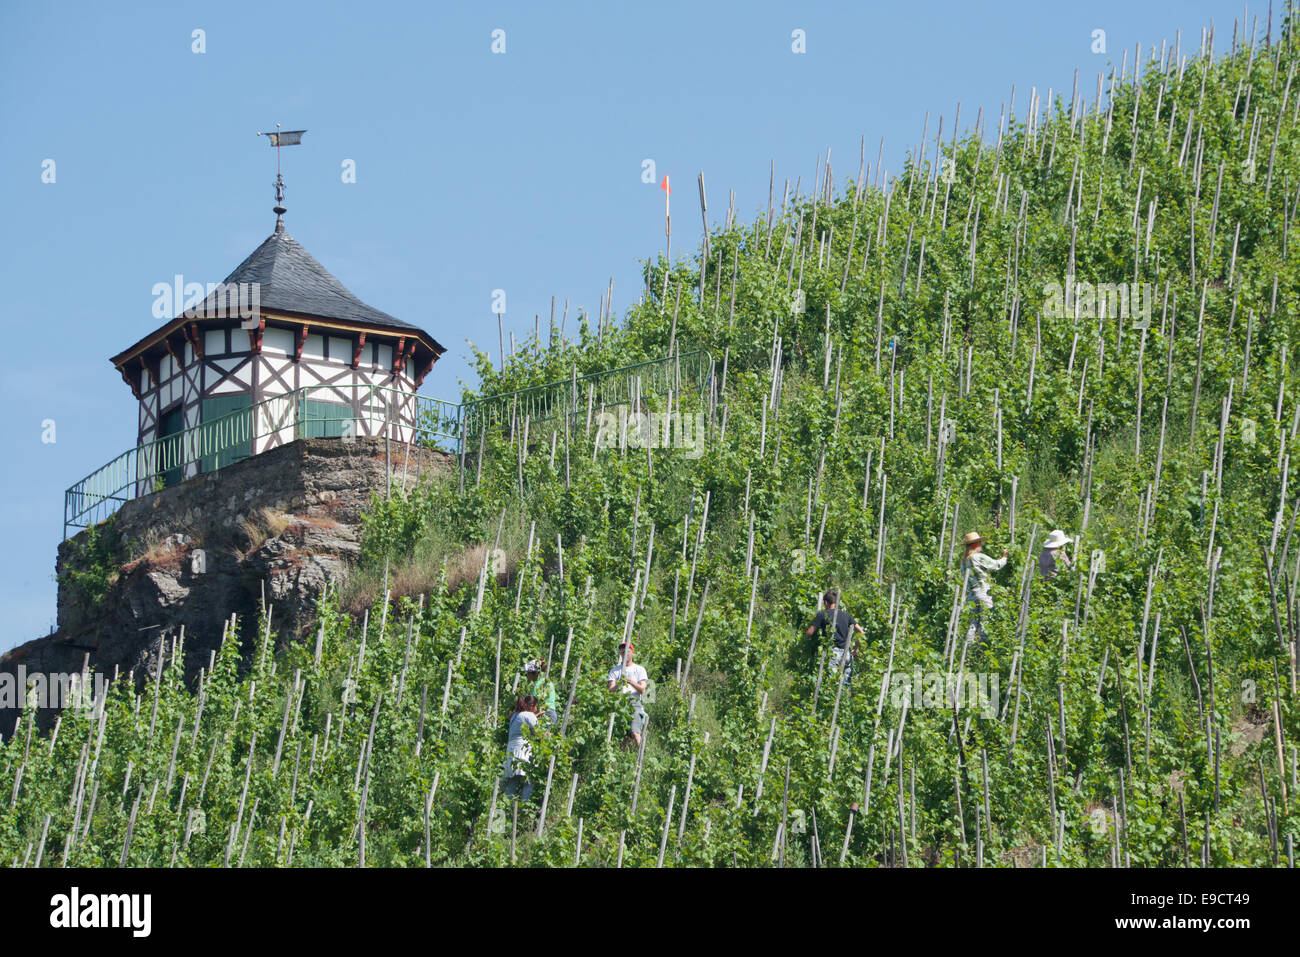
x: 475, y: 171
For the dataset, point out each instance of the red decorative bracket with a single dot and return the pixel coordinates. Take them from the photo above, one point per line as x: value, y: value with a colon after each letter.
x: 180, y: 363
x: 133, y: 384
x: 428, y: 367
x: 255, y: 337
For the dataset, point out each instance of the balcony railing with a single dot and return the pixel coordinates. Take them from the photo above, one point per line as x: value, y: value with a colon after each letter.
x: 326, y: 411
x: 310, y: 412
x: 688, y: 371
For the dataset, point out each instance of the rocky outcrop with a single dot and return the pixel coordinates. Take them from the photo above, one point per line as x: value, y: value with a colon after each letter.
x: 277, y: 527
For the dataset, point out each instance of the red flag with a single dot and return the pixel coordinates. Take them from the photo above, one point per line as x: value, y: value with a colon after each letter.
x: 665, y: 187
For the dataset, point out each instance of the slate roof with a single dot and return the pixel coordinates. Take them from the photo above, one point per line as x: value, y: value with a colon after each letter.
x: 292, y: 280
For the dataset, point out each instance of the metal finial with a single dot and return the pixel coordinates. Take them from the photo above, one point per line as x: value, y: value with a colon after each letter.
x: 279, y: 139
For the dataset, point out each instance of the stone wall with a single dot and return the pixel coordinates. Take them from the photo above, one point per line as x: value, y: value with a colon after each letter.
x: 280, y: 525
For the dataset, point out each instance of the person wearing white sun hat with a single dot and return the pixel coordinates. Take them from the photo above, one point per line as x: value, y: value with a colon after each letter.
x: 1053, y: 554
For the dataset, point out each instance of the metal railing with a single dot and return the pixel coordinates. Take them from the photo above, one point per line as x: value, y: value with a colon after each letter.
x: 309, y: 412
x: 360, y: 410
x: 688, y: 371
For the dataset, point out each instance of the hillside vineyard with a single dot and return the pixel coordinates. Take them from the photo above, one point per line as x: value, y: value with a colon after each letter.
x: 1078, y: 314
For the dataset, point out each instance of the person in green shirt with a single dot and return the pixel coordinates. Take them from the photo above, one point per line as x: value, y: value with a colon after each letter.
x: 541, y: 687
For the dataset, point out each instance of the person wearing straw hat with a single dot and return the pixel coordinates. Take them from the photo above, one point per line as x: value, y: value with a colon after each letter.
x: 978, y: 567
x: 1052, y: 553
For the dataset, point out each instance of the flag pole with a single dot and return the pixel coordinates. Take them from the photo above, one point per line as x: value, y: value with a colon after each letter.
x: 277, y: 140
x: 668, y: 220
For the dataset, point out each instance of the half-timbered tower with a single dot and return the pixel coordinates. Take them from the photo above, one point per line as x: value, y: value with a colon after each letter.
x: 285, y: 340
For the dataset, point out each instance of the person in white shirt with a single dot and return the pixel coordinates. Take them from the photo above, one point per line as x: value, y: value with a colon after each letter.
x: 631, y: 679
x: 980, y: 566
x: 519, y: 749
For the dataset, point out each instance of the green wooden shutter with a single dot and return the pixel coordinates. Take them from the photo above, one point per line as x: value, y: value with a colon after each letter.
x: 320, y: 419
x: 227, y: 437
x: 169, y: 449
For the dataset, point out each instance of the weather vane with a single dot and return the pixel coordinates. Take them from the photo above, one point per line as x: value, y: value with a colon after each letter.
x: 278, y: 139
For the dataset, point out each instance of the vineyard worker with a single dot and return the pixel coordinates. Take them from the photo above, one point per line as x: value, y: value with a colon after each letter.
x: 541, y: 688
x: 844, y: 626
x: 980, y: 566
x: 1052, y: 553
x: 631, y: 679
x: 519, y: 750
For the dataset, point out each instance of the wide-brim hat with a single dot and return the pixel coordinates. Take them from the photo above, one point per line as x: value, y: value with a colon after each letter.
x: 1056, y: 539
x: 971, y: 538
x: 533, y: 666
